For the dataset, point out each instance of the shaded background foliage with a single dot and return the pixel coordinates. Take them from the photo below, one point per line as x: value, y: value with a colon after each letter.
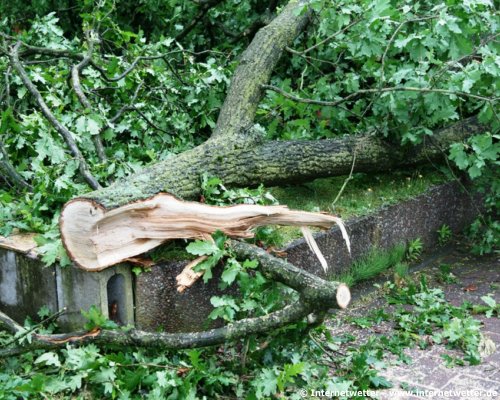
x: 446, y: 51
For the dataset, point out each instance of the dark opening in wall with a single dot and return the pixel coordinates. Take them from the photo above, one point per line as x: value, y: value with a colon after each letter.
x: 116, y: 299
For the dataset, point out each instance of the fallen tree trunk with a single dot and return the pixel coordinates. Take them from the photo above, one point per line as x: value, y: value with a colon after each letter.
x: 128, y: 218
x: 245, y: 160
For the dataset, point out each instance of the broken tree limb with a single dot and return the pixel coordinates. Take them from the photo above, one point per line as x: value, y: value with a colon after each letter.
x: 122, y: 221
x: 316, y: 295
x: 154, y: 340
x: 96, y: 238
x: 188, y: 276
x: 313, y: 289
x: 237, y: 164
x: 235, y: 153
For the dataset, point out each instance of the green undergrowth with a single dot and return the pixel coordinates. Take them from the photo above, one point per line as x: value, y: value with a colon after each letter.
x: 363, y: 194
x: 277, y: 365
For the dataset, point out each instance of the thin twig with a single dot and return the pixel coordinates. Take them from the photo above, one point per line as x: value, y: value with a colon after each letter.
x: 448, y: 64
x: 393, y: 37
x: 346, y: 181
x: 383, y: 90
x: 307, y: 58
x: 129, y: 69
x: 127, y: 106
x: 11, y: 172
x: 201, y: 13
x: 33, y: 328
x: 148, y: 121
x: 60, y: 128
x: 7, y: 86
x: 377, y: 95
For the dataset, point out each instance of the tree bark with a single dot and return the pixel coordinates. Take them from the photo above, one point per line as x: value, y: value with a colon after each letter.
x: 255, y: 68
x: 246, y: 160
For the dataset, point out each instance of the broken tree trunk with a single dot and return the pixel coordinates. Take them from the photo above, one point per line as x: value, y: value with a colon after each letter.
x: 237, y: 154
x: 130, y: 217
x: 96, y: 238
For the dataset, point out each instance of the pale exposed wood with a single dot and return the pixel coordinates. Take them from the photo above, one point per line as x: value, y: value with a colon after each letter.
x: 96, y: 238
x: 309, y: 238
x: 20, y: 242
x: 188, y: 276
x: 343, y: 296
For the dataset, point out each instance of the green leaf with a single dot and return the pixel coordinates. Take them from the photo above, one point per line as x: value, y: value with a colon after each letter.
x: 458, y: 156
x: 266, y: 382
x: 94, y: 123
x: 202, y: 248
x: 49, y: 358
x: 231, y: 271
x: 162, y: 379
x: 490, y: 301
x: 380, y: 382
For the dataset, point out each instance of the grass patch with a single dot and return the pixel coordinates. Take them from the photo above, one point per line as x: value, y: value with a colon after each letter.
x: 374, y: 263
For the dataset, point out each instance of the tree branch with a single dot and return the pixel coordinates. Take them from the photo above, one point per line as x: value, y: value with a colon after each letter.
x: 206, y: 5
x: 7, y: 86
x: 321, y: 294
x: 316, y: 295
x: 256, y: 65
x: 75, y: 79
x: 334, y: 35
x: 61, y: 129
x: 10, y: 171
x: 116, y: 339
x: 391, y: 40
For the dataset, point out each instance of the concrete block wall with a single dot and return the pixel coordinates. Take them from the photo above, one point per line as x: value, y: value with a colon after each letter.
x: 110, y: 290
x: 419, y: 217
x: 26, y: 285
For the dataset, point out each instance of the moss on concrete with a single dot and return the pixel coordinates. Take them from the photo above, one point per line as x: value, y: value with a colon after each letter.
x: 363, y: 194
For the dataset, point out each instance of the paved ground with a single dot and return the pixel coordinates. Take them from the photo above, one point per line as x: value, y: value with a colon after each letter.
x: 476, y: 277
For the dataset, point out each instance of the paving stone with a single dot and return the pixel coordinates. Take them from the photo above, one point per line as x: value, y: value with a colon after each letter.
x: 428, y: 370
x: 492, y: 325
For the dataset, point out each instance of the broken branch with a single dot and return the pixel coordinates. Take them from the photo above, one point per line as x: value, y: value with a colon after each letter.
x: 60, y: 128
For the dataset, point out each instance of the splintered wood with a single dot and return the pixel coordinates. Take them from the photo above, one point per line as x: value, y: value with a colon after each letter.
x: 188, y: 276
x: 96, y: 238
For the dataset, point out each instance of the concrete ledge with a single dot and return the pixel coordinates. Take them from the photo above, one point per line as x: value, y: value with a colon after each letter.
x: 151, y: 300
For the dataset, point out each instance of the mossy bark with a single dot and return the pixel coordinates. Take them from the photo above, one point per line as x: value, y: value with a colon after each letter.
x: 139, y: 338
x: 255, y: 68
x: 246, y: 160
